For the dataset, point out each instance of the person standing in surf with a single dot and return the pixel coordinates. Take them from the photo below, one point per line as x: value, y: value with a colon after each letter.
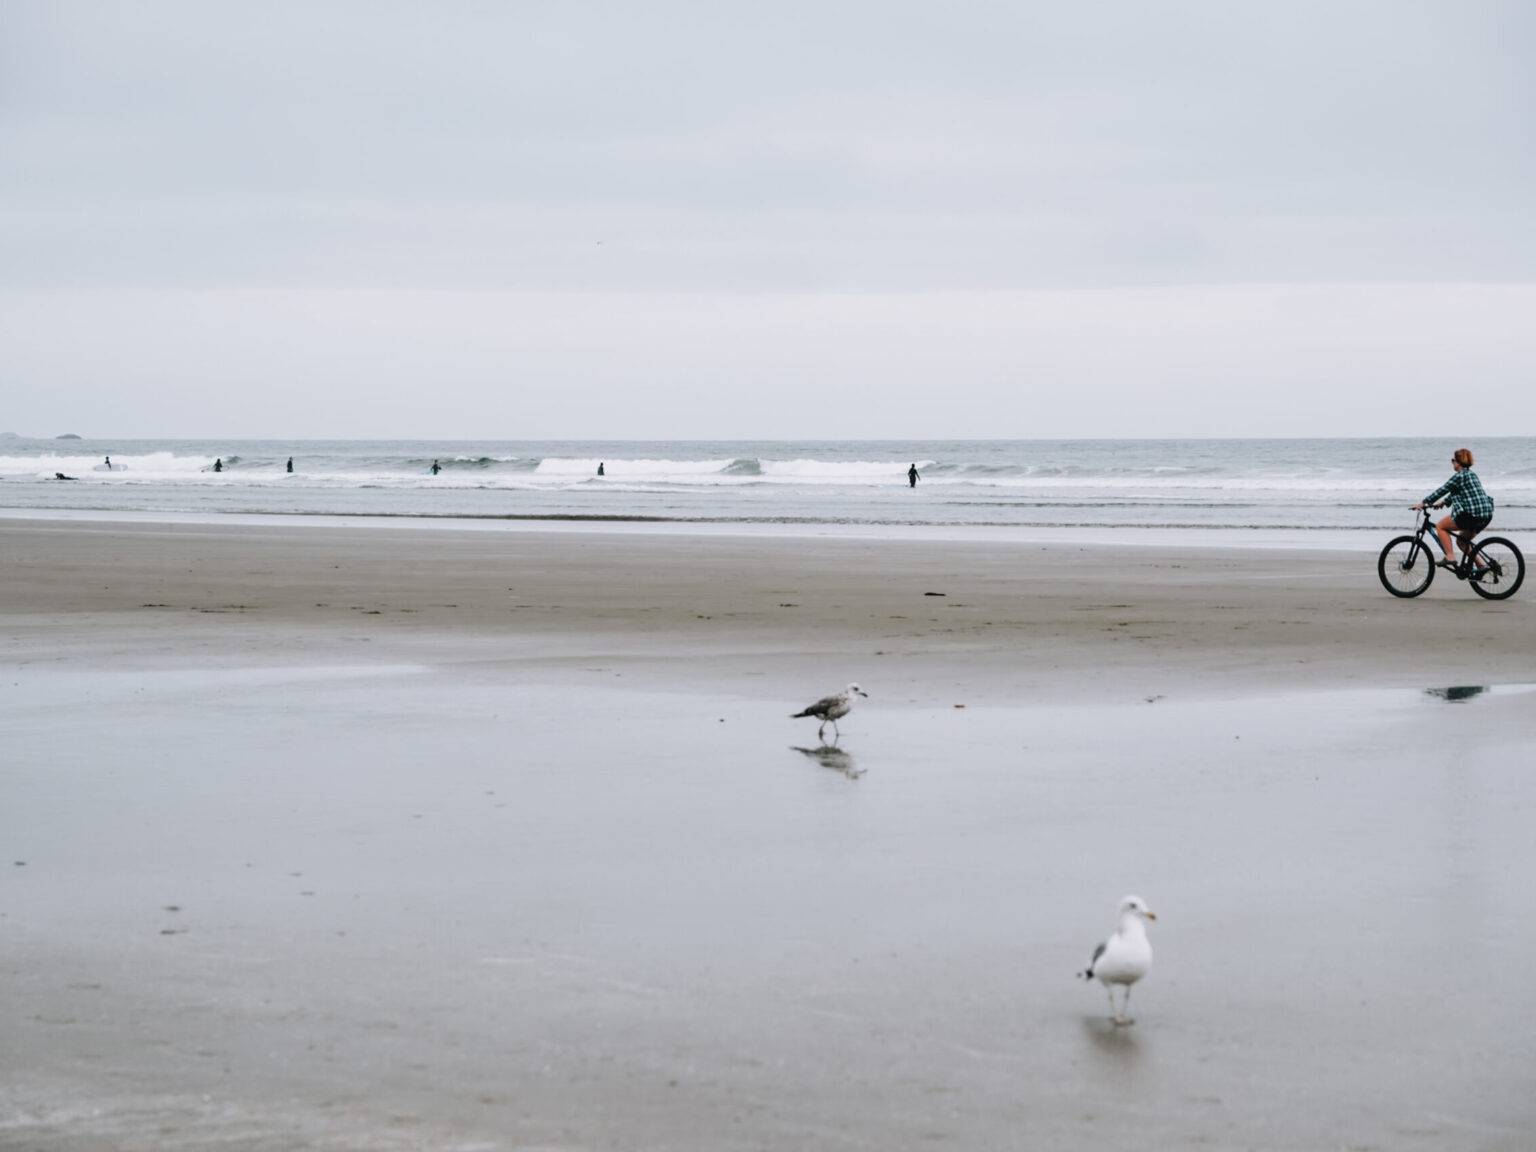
x: 912, y: 476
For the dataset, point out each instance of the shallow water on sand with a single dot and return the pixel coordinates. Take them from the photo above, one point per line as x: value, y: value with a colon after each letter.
x: 591, y: 914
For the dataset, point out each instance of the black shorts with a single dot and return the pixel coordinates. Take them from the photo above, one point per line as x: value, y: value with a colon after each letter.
x: 1470, y: 524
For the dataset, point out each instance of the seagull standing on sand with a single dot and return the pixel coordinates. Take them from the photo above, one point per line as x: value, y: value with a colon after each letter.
x: 1125, y: 957
x: 831, y: 709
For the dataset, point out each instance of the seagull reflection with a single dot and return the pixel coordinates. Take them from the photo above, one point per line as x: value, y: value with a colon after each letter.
x: 1111, y: 1042
x: 833, y: 757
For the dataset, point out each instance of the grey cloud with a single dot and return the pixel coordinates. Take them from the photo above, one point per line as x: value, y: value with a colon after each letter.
x: 730, y: 147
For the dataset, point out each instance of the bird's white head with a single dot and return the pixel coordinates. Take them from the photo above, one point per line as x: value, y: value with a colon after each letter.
x: 1136, y: 906
x: 855, y: 690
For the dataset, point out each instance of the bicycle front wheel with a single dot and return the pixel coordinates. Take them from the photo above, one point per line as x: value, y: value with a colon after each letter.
x: 1503, y: 569
x: 1406, y: 566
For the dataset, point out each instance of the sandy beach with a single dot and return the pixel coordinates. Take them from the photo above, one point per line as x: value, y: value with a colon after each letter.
x: 391, y: 838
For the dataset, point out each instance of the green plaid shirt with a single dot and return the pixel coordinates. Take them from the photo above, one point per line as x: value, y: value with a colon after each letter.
x: 1467, y: 495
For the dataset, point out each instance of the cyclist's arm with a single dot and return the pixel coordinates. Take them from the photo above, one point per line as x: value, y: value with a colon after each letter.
x: 1439, y: 492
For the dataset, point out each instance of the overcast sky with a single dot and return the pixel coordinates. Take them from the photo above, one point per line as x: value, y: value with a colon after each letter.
x: 770, y: 220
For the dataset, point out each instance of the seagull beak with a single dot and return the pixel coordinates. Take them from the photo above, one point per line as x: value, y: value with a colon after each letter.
x: 1151, y: 915
x: 863, y: 693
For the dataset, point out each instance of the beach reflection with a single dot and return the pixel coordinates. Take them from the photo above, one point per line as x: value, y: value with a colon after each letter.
x: 1457, y: 694
x: 833, y: 757
x: 1112, y: 1041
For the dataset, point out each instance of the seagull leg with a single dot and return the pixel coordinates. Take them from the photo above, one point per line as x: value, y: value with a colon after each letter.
x: 820, y: 729
x: 1114, y: 1011
x: 1124, y: 1019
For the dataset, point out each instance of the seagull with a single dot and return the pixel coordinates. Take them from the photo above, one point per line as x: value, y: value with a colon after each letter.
x: 830, y: 709
x: 1125, y: 957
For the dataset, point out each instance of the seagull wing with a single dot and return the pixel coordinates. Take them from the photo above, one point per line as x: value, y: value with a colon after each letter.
x: 822, y: 706
x: 1087, y: 973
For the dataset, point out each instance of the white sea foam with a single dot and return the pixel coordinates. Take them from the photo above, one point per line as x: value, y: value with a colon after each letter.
x: 840, y: 471
x: 152, y: 465
x: 565, y: 467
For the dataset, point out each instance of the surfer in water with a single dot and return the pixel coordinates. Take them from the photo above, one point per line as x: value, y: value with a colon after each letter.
x: 912, y: 476
x: 600, y: 471
x: 435, y: 468
x: 290, y: 465
x: 109, y: 463
x: 218, y: 464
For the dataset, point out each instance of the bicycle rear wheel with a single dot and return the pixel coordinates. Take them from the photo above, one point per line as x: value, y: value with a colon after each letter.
x: 1406, y: 566
x: 1504, y: 569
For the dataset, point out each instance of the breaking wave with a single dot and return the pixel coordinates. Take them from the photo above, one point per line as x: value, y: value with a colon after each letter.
x: 1154, y: 481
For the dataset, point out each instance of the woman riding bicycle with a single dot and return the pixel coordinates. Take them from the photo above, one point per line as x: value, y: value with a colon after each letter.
x: 1471, y: 507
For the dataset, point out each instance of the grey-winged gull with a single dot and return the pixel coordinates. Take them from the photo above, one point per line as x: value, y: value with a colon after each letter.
x: 830, y: 709
x: 1125, y: 957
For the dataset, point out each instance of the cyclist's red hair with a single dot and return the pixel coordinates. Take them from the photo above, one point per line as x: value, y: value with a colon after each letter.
x: 1463, y: 456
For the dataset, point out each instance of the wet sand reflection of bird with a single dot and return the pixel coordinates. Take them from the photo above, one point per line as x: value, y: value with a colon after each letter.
x: 830, y: 756
x: 831, y: 709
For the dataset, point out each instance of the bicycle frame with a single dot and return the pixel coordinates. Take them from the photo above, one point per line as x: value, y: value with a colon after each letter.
x: 1427, y: 524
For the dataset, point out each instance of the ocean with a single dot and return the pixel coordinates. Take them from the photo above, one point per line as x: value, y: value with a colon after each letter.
x: 1330, y: 484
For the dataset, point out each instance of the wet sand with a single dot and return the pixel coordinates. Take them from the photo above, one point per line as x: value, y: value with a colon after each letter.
x: 375, y: 839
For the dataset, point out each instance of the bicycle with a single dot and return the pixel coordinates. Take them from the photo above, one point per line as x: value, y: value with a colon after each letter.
x: 1494, y: 567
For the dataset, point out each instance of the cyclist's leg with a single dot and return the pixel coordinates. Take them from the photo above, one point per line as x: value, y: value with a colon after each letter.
x: 1464, y: 540
x: 1477, y: 561
x: 1444, y: 530
x: 1466, y: 533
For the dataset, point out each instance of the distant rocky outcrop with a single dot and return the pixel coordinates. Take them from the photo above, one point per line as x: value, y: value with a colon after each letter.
x: 69, y: 436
